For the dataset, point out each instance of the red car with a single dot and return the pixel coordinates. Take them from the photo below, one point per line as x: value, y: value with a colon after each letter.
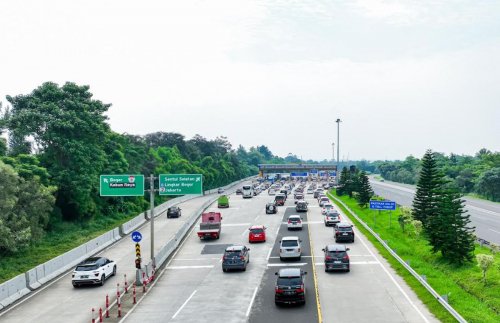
x: 257, y: 233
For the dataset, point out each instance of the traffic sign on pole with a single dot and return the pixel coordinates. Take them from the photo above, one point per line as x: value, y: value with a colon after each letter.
x: 138, y: 250
x: 180, y: 184
x: 382, y: 205
x: 136, y: 236
x: 122, y: 185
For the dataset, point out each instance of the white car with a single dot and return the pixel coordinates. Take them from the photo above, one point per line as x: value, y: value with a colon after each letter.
x: 332, y: 218
x: 290, y: 247
x: 93, y: 271
x: 294, y: 222
x: 271, y: 192
x: 323, y: 201
x: 310, y: 191
x: 327, y: 208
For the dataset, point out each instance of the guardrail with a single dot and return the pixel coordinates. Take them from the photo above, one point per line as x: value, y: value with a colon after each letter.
x: 422, y: 281
x: 21, y: 285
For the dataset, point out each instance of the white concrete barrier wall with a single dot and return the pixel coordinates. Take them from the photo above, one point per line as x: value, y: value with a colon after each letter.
x: 129, y: 226
x: 13, y: 289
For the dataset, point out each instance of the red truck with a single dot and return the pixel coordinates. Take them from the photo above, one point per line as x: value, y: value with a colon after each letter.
x: 210, y: 225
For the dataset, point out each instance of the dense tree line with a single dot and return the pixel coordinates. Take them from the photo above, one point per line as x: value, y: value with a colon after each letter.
x: 60, y: 142
x: 355, y: 183
x: 471, y: 174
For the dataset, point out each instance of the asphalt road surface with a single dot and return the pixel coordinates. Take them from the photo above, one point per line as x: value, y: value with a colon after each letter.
x: 193, y: 288
x: 484, y: 215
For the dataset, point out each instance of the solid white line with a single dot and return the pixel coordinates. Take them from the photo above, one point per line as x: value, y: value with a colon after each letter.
x: 277, y: 230
x: 185, y: 303
x: 395, y: 282
x: 258, y: 216
x: 287, y: 265
x: 251, y: 302
x: 269, y: 254
x: 354, y: 263
x: 494, y: 230
x: 189, y: 267
x: 482, y: 210
x: 194, y: 259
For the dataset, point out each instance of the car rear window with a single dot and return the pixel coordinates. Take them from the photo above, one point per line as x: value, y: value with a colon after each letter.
x: 289, y: 243
x: 233, y: 253
x: 345, y: 229
x: 280, y: 197
x: 289, y: 281
x: 86, y: 268
x: 337, y: 253
x: 256, y: 230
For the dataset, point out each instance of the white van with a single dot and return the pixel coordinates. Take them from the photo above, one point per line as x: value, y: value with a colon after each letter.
x: 247, y: 191
x: 290, y: 247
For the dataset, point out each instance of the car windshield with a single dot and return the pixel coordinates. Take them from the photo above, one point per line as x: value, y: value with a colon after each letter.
x: 256, y: 230
x: 289, y: 243
x: 86, y: 268
x: 289, y: 281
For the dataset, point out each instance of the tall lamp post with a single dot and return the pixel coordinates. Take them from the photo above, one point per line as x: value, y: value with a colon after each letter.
x: 338, y: 121
x: 333, y: 152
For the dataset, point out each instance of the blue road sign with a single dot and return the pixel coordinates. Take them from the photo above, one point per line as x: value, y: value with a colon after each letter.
x: 382, y: 205
x: 332, y: 173
x: 313, y: 171
x: 136, y: 236
x: 303, y: 174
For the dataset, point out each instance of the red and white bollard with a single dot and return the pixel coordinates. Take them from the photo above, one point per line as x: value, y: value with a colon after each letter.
x: 107, y: 306
x: 119, y: 306
x: 144, y: 282
x: 126, y: 285
x: 93, y: 313
x: 117, y: 290
x: 134, y: 294
x: 100, y: 314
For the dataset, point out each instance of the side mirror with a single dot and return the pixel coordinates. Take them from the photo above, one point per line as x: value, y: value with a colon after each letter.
x: 347, y: 249
x: 248, y: 249
x: 323, y: 249
x: 305, y: 272
x: 276, y: 274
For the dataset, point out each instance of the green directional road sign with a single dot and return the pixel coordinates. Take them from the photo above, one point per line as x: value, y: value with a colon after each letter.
x: 122, y: 185
x: 181, y: 184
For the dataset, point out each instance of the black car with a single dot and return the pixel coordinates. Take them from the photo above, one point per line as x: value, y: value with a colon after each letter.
x: 280, y: 199
x: 239, y: 191
x: 235, y: 257
x: 336, y: 257
x: 343, y: 232
x: 173, y: 212
x: 271, y: 208
x: 290, y: 286
x: 301, y: 206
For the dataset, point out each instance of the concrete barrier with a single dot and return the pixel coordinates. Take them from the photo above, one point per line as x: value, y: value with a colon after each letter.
x: 12, y: 290
x: 131, y: 225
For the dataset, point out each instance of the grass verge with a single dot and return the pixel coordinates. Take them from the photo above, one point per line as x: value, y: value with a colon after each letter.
x: 474, y: 300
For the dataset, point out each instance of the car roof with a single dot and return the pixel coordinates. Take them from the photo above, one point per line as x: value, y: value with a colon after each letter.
x: 344, y: 224
x: 336, y: 247
x: 235, y: 248
x: 289, y: 272
x: 294, y: 216
x: 256, y: 227
x: 290, y: 238
x: 90, y: 261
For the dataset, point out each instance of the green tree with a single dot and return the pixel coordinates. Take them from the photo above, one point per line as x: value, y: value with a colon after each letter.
x: 489, y: 184
x: 405, y: 218
x: 68, y: 126
x: 365, y: 190
x: 24, y: 209
x: 448, y: 230
x: 484, y: 262
x: 428, y: 189
x: 343, y: 181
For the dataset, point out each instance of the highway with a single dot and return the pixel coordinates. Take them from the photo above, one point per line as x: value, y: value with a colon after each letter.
x: 60, y: 302
x: 484, y: 215
x: 193, y: 287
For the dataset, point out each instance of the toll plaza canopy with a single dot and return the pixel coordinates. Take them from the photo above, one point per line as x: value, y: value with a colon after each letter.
x: 290, y: 168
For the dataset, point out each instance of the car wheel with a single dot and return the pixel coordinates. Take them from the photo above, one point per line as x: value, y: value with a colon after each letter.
x: 348, y: 269
x: 326, y: 270
x: 352, y: 240
x: 76, y: 285
x: 114, y: 271
x: 299, y: 258
x: 244, y: 268
x: 103, y: 279
x: 281, y: 258
x: 224, y: 270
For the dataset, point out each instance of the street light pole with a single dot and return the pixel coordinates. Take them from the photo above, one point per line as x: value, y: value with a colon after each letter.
x: 338, y: 121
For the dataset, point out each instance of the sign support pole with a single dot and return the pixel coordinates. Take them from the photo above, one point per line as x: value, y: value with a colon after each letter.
x: 152, y: 215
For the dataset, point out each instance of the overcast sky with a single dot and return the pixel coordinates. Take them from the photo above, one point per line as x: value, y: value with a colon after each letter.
x: 403, y: 76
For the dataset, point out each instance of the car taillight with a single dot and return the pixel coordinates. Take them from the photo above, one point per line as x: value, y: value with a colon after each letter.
x: 301, y: 289
x: 242, y: 258
x: 289, y: 221
x: 223, y: 258
x: 328, y: 258
x: 346, y: 257
x: 299, y: 250
x: 337, y: 233
x: 278, y: 290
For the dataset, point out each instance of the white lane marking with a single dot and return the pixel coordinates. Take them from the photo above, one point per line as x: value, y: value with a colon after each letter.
x: 244, y: 232
x: 397, y: 187
x: 235, y: 224
x: 277, y: 230
x: 258, y: 216
x: 190, y: 267
x: 482, y: 210
x: 287, y: 265
x: 185, y: 303
x: 251, y: 302
x: 395, y: 282
x: 269, y: 254
x: 494, y: 231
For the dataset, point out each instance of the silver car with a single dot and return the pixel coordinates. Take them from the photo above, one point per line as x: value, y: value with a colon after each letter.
x: 290, y: 247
